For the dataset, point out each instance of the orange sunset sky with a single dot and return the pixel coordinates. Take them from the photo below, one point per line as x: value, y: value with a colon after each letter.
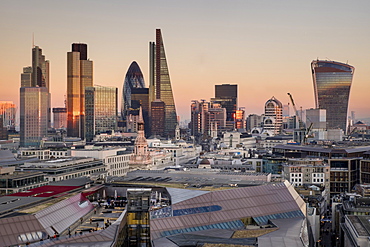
x: 265, y: 47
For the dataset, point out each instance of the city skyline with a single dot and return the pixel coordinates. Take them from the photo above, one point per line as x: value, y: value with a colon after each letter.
x: 266, y: 47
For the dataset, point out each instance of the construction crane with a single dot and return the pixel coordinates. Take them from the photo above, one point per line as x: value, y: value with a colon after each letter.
x: 307, y: 133
x: 300, y: 123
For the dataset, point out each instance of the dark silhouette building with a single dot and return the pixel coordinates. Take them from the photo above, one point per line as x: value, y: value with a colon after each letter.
x: 227, y: 96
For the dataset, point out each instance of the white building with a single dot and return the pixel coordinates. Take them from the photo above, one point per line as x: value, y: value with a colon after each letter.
x: 116, y: 160
x: 63, y: 169
x: 273, y: 119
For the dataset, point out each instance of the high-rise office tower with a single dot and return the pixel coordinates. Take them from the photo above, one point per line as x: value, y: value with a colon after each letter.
x: 33, y: 115
x: 227, y: 96
x: 100, y: 110
x: 133, y: 79
x: 8, y: 111
x: 40, y: 75
x: 26, y: 77
x: 273, y: 119
x: 198, y: 111
x: 332, y: 84
x: 79, y: 76
x: 160, y: 88
x: 40, y: 69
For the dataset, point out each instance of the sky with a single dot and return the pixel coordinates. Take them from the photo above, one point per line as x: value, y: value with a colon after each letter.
x: 265, y: 47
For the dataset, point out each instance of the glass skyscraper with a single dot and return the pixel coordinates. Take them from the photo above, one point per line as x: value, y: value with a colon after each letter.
x: 160, y: 85
x: 227, y: 96
x: 133, y: 79
x: 100, y: 110
x: 33, y: 115
x: 79, y: 76
x: 332, y: 83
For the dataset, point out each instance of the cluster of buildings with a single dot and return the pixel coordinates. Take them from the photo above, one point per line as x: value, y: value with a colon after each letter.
x: 92, y: 109
x: 293, y: 179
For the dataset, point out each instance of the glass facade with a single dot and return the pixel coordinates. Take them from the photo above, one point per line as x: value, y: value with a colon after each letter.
x: 234, y: 225
x: 332, y: 83
x: 33, y: 115
x: 227, y: 96
x: 79, y: 76
x: 160, y: 80
x: 168, y: 212
x: 134, y: 79
x: 101, y: 110
x: 138, y: 219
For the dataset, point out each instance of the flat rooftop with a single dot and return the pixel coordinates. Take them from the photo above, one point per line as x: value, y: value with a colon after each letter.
x: 361, y: 223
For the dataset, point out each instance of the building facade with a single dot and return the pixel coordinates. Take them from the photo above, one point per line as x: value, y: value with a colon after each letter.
x: 8, y: 110
x: 116, y: 160
x: 66, y: 168
x: 79, y: 76
x: 100, y: 110
x: 307, y: 171
x: 227, y: 96
x: 253, y: 121
x: 332, y: 84
x: 207, y: 118
x: 133, y: 79
x: 60, y: 117
x: 160, y: 85
x: 33, y: 115
x: 273, y: 119
x: 140, y: 98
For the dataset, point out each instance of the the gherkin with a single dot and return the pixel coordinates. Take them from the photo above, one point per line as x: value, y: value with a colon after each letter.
x: 134, y: 79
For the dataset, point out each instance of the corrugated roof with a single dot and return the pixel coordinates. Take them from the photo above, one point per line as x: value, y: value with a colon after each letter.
x: 257, y: 201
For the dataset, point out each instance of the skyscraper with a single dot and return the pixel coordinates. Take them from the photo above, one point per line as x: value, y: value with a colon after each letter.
x: 133, y: 79
x: 40, y: 75
x: 33, y: 115
x: 160, y: 86
x: 79, y: 76
x: 273, y: 119
x: 227, y: 96
x: 7, y: 113
x: 40, y: 69
x: 332, y: 84
x: 100, y: 110
x: 26, y: 77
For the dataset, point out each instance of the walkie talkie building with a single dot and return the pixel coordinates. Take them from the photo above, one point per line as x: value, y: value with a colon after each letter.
x: 332, y: 84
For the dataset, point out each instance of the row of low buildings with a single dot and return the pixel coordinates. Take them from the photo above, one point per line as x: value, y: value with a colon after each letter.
x: 96, y: 162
